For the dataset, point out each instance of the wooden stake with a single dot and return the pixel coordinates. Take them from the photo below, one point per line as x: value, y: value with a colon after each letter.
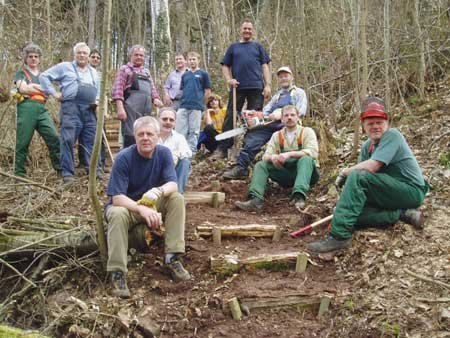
x: 235, y: 308
x: 302, y: 262
x: 283, y: 301
x: 276, y: 235
x: 217, y: 236
x: 215, y: 200
x: 324, y: 304
x: 215, y: 185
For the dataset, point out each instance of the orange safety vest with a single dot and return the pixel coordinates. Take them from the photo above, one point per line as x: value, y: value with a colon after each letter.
x: 299, y: 140
x: 39, y: 97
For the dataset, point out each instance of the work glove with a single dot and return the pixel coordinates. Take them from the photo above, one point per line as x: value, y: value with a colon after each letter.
x: 340, y: 180
x: 150, y: 198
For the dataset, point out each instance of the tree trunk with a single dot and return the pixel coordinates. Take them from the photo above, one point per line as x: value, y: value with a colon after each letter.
x: 99, y: 131
x: 387, y: 54
x: 2, y: 17
x: 161, y: 39
x: 420, y: 38
x: 355, y: 9
x: 92, y: 5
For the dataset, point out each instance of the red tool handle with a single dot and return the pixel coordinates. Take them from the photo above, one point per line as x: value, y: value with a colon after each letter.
x: 310, y: 227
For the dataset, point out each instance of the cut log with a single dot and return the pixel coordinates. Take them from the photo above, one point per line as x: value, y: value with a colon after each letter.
x: 229, y: 264
x: 15, y: 242
x: 247, y: 230
x: 203, y: 197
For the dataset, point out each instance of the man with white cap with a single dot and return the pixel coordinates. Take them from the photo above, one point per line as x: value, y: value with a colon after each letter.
x: 386, y: 185
x: 288, y: 94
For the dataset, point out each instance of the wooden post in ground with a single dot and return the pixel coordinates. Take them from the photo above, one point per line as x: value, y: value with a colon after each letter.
x: 302, y: 262
x: 215, y: 185
x: 215, y: 200
x: 217, y: 236
x: 324, y: 304
x: 235, y: 308
x: 276, y: 235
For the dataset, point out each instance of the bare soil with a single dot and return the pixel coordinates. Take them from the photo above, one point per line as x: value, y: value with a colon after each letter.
x: 373, y: 295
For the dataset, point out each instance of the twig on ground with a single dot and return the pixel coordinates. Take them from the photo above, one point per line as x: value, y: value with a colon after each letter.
x: 26, y: 180
x: 427, y: 279
x: 17, y: 272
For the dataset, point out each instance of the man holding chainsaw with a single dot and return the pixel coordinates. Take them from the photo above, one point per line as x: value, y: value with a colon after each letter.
x: 142, y: 188
x: 255, y: 139
x: 290, y: 159
x: 386, y: 185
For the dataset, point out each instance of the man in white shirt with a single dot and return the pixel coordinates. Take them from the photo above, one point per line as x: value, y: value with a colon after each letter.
x: 177, y: 144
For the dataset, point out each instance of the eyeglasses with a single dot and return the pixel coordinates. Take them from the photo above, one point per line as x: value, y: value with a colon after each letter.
x: 96, y: 57
x: 165, y: 119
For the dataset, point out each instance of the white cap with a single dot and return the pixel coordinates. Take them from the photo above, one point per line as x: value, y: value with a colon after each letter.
x: 284, y: 69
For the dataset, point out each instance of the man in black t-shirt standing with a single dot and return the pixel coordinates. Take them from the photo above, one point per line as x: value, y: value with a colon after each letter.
x: 246, y: 67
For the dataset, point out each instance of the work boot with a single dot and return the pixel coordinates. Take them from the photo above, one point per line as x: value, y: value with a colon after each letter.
x: 68, y: 181
x: 413, y: 217
x: 329, y: 244
x: 298, y: 201
x: 236, y: 173
x: 254, y: 203
x: 119, y: 285
x: 176, y: 271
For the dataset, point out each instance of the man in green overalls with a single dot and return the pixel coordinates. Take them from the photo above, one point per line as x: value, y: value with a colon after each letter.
x: 290, y: 160
x: 31, y: 111
x: 386, y: 185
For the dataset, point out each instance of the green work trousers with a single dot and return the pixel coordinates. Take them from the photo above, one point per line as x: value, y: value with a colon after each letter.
x: 121, y: 221
x: 372, y: 199
x: 31, y: 116
x: 297, y: 173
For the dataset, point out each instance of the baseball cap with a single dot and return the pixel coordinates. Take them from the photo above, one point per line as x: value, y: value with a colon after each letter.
x: 373, y: 107
x: 284, y: 69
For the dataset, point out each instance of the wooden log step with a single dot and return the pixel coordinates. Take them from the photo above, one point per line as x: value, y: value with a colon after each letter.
x: 229, y: 264
x: 244, y: 230
x: 203, y: 197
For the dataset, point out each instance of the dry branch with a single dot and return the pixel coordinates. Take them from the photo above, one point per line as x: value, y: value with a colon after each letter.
x: 25, y: 180
x: 427, y: 279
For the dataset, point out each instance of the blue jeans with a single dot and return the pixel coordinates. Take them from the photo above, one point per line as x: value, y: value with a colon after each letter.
x: 253, y: 142
x: 78, y: 122
x: 188, y: 125
x: 183, y: 169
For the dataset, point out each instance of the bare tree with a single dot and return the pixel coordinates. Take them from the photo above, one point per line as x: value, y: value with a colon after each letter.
x: 387, y: 54
x: 421, y: 61
x: 92, y: 6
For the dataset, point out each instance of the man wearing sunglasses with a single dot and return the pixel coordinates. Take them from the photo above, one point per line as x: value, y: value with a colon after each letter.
x: 178, y: 146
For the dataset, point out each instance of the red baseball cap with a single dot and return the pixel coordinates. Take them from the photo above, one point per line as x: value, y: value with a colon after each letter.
x: 373, y: 109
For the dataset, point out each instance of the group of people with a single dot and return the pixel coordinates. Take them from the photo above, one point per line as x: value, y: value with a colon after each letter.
x: 149, y: 175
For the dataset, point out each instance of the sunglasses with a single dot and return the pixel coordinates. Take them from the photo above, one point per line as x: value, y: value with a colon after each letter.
x: 165, y: 119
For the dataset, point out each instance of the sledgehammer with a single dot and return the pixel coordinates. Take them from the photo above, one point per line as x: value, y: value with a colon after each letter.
x: 310, y: 227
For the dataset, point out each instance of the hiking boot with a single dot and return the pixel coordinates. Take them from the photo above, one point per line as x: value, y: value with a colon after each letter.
x: 329, y: 244
x: 413, y: 217
x: 236, y: 173
x: 119, y: 285
x: 176, y: 271
x: 252, y: 204
x: 218, y: 155
x: 298, y: 201
x: 68, y: 181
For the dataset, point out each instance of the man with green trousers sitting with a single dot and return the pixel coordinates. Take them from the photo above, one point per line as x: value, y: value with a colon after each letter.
x: 290, y: 160
x: 386, y: 185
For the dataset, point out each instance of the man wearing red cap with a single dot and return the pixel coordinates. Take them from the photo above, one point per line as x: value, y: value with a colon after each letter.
x: 386, y: 185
